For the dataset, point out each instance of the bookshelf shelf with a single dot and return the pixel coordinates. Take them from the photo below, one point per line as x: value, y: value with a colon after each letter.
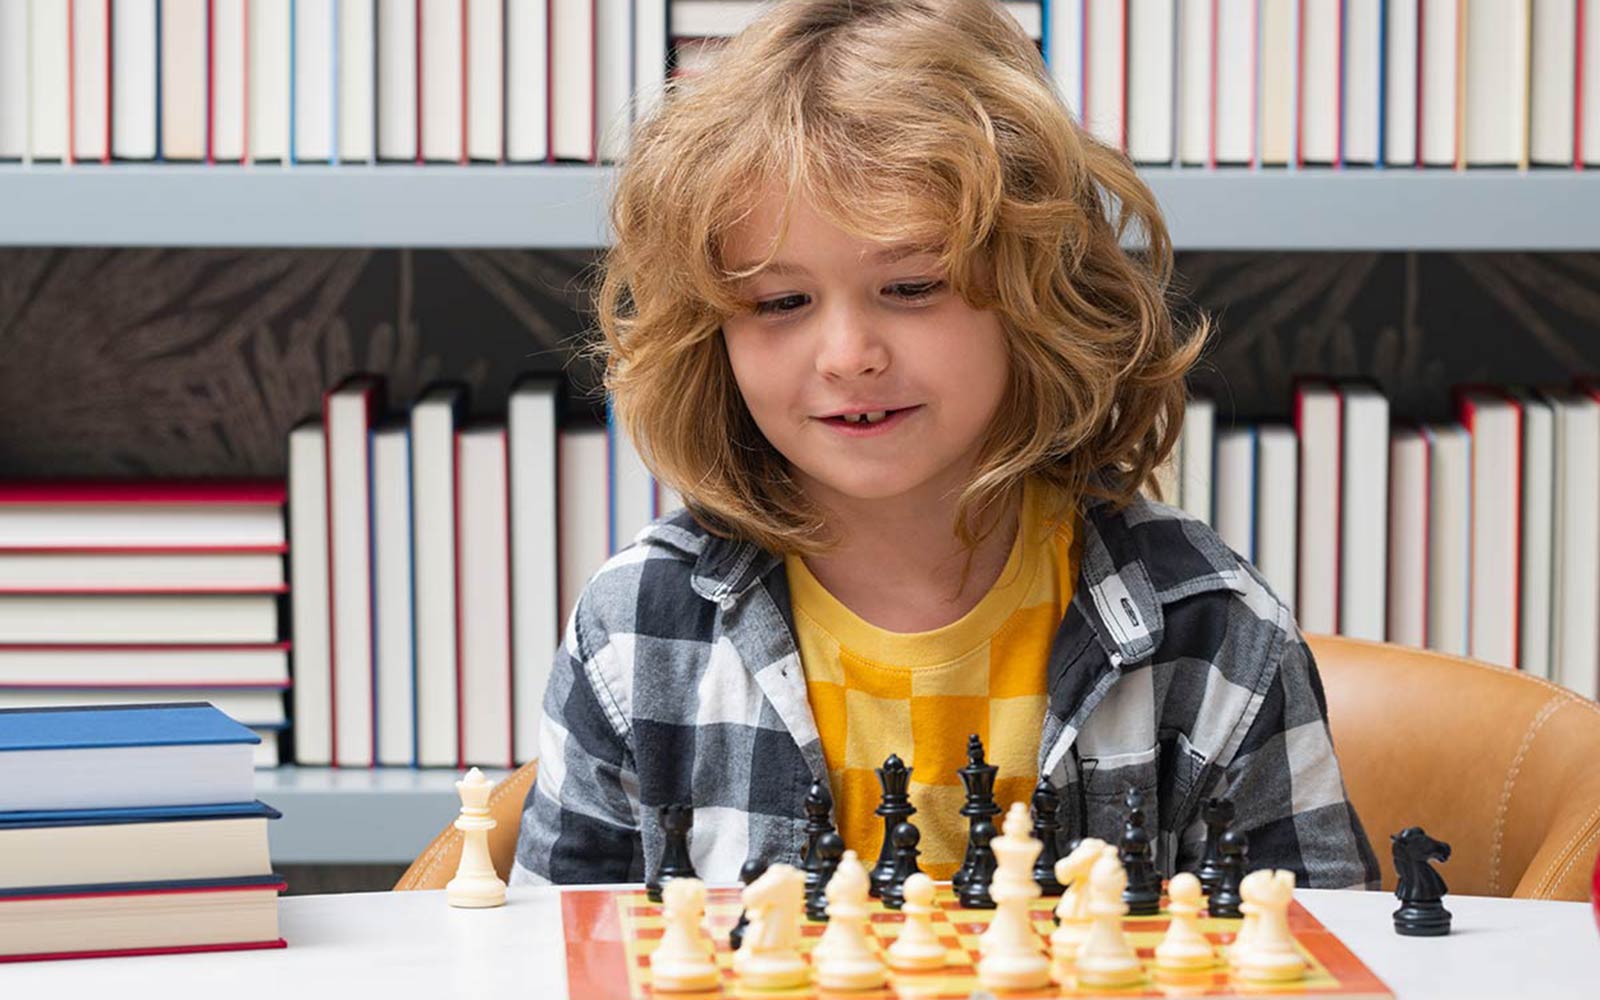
x: 563, y: 206
x: 357, y: 816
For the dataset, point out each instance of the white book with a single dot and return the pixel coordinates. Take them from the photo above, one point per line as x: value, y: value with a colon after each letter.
x: 1495, y: 423
x: 1152, y: 41
x: 49, y: 62
x: 1439, y: 81
x: 1319, y: 424
x: 397, y: 80
x: 1449, y: 538
x: 14, y: 100
x: 1575, y: 532
x: 1496, y: 113
x: 356, y: 61
x: 1235, y: 70
x: 585, y: 532
x: 528, y: 76
x: 1236, y: 489
x: 614, y: 59
x: 1364, y: 512
x: 266, y: 755
x: 270, y: 43
x: 1362, y: 47
x: 484, y: 617
x: 535, y: 556
x: 1066, y: 53
x: 229, y: 64
x: 393, y: 651
x: 1199, y: 435
x: 1319, y: 82
x: 433, y: 496
x: 1105, y: 70
x: 183, y: 80
x: 138, y: 618
x: 633, y: 489
x: 650, y: 46
x: 69, y: 570
x: 130, y: 920
x: 1278, y: 91
x: 348, y: 415
x: 1553, y: 85
x: 247, y: 706
x: 133, y: 79
x: 443, y: 75
x: 1277, y: 511
x: 315, y: 89
x: 164, y: 667
x: 91, y: 57
x: 308, y: 595
x: 486, y: 80
x: 1588, y: 96
x: 26, y: 523
x: 1195, y: 50
x: 572, y: 79
x: 1400, y: 76
x: 1538, y: 512
x: 1408, y: 538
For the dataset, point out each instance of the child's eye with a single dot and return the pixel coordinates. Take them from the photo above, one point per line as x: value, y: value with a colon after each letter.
x: 780, y: 305
x: 916, y: 289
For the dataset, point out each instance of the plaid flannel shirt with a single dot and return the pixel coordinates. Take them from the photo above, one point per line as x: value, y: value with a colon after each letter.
x: 1175, y: 670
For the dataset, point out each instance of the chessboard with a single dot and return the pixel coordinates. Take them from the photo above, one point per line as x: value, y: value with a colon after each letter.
x: 610, y: 934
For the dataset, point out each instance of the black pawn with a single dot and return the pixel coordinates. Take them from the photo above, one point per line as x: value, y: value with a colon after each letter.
x: 896, y: 807
x: 675, y: 823
x: 818, y: 807
x: 752, y: 870
x: 974, y: 894
x: 978, y: 779
x: 1420, y: 889
x: 1046, y: 823
x: 830, y: 851
x: 906, y: 837
x: 1217, y: 813
x: 1225, y: 899
x: 1143, y: 894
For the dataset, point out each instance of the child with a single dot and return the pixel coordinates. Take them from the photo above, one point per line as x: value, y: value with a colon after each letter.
x: 867, y: 312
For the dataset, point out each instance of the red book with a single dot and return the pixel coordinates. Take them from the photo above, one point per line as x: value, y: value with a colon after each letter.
x: 142, y: 516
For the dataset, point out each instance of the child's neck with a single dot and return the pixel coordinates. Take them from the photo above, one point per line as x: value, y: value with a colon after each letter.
x: 899, y: 565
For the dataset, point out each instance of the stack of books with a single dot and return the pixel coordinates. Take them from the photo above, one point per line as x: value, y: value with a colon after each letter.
x: 122, y: 592
x: 128, y: 830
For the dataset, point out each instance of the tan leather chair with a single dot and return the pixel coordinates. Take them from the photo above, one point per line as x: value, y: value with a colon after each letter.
x: 1501, y: 765
x: 436, y: 865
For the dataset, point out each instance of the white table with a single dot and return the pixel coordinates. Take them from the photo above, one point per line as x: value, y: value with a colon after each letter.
x: 388, y: 945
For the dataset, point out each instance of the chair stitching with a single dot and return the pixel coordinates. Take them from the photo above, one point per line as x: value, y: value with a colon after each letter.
x: 1538, y: 722
x: 1573, y: 852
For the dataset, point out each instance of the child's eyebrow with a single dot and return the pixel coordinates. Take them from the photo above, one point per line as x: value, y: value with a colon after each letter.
x: 883, y: 255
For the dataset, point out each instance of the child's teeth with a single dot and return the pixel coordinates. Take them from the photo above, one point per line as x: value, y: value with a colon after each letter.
x: 876, y: 416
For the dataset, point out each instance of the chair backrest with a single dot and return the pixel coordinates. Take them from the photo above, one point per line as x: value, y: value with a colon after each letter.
x: 1503, y: 766
x: 436, y: 865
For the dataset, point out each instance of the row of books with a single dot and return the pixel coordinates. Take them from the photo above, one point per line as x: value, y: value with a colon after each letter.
x: 1479, y: 536
x: 122, y: 592
x: 1210, y: 83
x: 131, y: 830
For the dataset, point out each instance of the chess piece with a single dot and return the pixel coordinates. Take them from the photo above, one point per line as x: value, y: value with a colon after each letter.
x: 682, y: 962
x: 974, y: 894
x: 918, y: 948
x: 1012, y: 958
x: 1217, y: 813
x: 1046, y: 823
x: 844, y: 958
x: 1185, y: 948
x: 769, y: 957
x: 829, y: 852
x: 1106, y: 958
x: 978, y: 779
x: 675, y: 823
x: 748, y: 872
x: 818, y: 808
x: 1420, y: 889
x: 894, y: 778
x: 1143, y: 894
x: 476, y: 883
x: 1224, y: 900
x: 906, y: 836
x: 1072, y: 912
x: 1249, y: 908
x: 1271, y: 955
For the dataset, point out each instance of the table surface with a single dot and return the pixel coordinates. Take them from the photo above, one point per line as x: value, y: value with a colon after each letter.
x: 386, y: 945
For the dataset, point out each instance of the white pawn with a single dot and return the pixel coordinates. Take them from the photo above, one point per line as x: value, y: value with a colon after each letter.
x: 1249, y: 893
x: 1272, y: 956
x: 682, y: 961
x: 1106, y: 958
x: 1011, y: 949
x: 1072, y: 912
x: 918, y: 947
x: 476, y: 884
x: 769, y: 955
x: 1185, y: 948
x: 844, y: 959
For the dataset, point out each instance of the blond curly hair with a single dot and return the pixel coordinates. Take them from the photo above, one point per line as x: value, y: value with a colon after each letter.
x: 907, y: 121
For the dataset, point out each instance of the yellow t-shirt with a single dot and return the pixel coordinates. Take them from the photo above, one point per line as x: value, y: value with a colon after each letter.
x: 920, y: 694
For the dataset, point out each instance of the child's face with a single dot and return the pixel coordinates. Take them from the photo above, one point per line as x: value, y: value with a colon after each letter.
x: 838, y: 327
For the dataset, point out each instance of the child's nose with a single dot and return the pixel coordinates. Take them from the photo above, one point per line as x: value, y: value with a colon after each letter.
x: 851, y: 344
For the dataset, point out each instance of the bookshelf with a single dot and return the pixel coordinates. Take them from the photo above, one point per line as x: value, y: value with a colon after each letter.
x: 563, y: 206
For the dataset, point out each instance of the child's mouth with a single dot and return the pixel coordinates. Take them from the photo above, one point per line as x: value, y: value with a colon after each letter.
x: 874, y: 426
